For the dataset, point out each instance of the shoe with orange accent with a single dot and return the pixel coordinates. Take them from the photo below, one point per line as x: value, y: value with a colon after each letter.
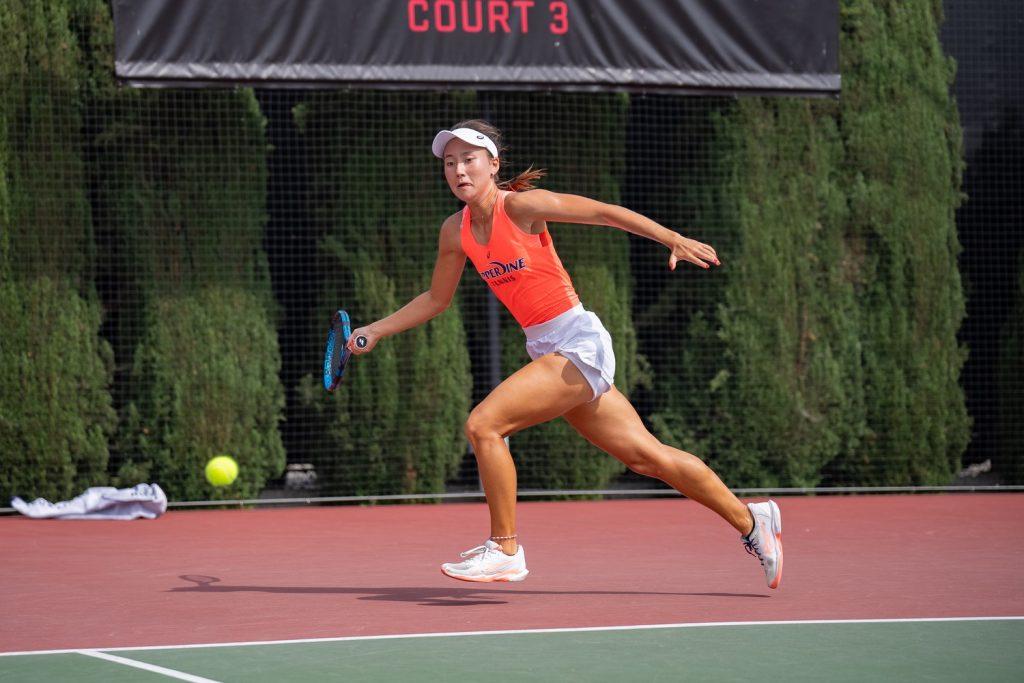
x: 486, y: 563
x: 765, y: 540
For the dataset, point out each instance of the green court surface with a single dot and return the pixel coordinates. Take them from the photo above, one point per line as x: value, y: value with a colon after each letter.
x: 940, y: 650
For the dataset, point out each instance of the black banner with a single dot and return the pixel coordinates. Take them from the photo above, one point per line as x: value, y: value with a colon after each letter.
x: 734, y: 45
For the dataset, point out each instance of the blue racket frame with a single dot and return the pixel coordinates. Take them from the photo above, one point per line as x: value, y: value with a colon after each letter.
x: 336, y: 354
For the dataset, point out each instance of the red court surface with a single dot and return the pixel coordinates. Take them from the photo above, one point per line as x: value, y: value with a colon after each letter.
x: 272, y: 574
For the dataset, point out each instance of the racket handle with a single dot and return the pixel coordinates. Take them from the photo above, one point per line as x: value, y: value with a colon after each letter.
x: 361, y: 342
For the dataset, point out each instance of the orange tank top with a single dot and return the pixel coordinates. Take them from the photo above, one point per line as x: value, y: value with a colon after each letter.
x: 522, y: 270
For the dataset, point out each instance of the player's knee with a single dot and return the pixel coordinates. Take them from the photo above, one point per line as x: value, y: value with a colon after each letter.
x: 478, y: 426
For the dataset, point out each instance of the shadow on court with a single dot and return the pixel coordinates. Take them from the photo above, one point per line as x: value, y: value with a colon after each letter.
x: 455, y: 596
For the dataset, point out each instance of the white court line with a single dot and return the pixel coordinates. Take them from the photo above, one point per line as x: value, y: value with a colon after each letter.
x: 585, y: 629
x: 180, y: 675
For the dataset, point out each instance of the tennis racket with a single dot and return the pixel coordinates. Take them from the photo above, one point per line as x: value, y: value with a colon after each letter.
x: 336, y: 355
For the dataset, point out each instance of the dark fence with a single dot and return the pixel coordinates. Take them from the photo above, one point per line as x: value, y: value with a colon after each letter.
x: 170, y: 260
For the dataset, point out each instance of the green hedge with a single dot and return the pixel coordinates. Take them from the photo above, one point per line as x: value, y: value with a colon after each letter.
x: 180, y: 204
x: 55, y: 410
x: 178, y: 187
x: 206, y: 371
x: 55, y: 407
x: 50, y: 226
x: 395, y: 426
x: 5, y: 200
x: 833, y: 323
x: 8, y: 61
x: 902, y: 173
x: 780, y: 397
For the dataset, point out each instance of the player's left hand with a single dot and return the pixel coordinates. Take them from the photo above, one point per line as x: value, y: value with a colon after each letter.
x: 697, y: 253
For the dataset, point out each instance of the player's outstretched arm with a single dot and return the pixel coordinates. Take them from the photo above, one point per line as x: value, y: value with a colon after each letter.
x: 527, y: 208
x: 448, y: 267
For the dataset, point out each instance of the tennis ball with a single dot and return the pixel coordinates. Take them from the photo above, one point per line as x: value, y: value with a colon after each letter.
x: 221, y: 470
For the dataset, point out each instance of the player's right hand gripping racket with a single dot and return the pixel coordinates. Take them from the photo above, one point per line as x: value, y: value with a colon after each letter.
x: 336, y: 355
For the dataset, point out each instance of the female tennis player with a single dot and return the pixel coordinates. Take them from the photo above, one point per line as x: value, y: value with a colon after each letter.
x: 503, y: 230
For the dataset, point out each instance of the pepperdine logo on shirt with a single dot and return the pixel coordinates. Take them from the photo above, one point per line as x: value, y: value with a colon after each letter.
x: 501, y: 272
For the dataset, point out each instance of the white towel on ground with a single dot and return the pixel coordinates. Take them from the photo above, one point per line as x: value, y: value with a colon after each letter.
x: 100, y: 502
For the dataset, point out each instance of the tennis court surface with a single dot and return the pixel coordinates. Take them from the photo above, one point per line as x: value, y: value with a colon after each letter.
x: 919, y: 587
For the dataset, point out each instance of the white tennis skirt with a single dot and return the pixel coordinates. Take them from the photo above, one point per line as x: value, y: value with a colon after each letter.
x: 578, y: 335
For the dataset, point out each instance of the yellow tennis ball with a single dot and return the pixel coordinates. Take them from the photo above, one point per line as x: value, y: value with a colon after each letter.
x: 221, y: 470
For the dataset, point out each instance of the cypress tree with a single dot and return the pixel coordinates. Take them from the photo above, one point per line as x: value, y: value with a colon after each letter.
x: 395, y: 424
x: 767, y: 363
x: 51, y: 227
x: 832, y: 326
x: 55, y: 407
x: 181, y: 180
x: 179, y: 198
x: 206, y: 373
x: 902, y: 170
x: 9, y: 65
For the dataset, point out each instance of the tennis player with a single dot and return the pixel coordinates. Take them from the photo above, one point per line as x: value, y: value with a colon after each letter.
x: 503, y: 230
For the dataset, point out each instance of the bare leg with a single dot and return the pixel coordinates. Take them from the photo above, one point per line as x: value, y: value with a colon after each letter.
x: 612, y: 424
x: 538, y: 392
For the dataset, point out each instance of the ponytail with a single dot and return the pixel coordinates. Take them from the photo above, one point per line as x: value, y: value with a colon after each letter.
x: 524, y: 181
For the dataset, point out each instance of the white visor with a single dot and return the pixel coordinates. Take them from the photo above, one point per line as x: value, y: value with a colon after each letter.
x: 465, y: 134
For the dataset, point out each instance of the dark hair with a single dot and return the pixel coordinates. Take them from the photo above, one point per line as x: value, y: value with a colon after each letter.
x: 523, y: 181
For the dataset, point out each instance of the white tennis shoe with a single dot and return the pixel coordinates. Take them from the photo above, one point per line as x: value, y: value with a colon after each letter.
x: 486, y: 563
x: 765, y: 540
